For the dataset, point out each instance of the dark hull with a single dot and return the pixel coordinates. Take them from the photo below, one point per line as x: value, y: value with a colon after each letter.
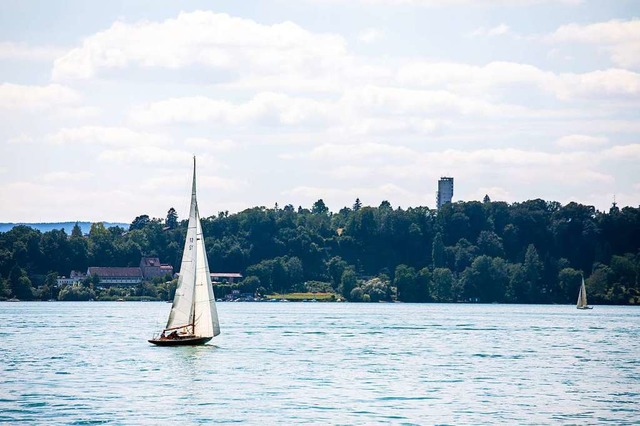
x: 586, y: 307
x: 185, y: 341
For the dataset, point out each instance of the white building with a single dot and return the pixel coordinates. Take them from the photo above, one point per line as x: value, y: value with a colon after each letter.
x: 445, y: 191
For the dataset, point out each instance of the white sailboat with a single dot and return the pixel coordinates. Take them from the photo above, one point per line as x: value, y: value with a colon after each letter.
x: 193, y: 319
x: 582, y: 297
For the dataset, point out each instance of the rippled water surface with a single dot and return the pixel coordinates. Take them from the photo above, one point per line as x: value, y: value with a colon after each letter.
x: 322, y: 363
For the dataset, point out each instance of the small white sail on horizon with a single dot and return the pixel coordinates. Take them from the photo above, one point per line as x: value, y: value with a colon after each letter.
x: 582, y: 297
x: 193, y: 318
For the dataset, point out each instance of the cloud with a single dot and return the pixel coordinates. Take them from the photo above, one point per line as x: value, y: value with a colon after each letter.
x: 370, y: 35
x: 629, y: 152
x: 264, y: 109
x: 107, y: 136
x: 581, y: 141
x: 499, y: 30
x: 454, y: 3
x: 224, y: 145
x: 495, y: 193
x: 360, y: 152
x: 36, y: 98
x: 341, y: 196
x: 611, y: 83
x: 21, y: 139
x: 65, y: 177
x: 621, y: 39
x: 215, y: 40
x: 22, y: 51
x: 480, y: 80
x: 145, y: 155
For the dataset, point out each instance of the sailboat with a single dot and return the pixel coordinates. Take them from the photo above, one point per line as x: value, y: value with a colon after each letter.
x: 193, y: 319
x: 582, y: 297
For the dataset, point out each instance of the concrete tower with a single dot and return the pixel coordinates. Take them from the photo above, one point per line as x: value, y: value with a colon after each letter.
x: 445, y: 191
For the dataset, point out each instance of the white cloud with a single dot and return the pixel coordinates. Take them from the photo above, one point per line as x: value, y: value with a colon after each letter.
x: 65, y: 177
x: 145, y: 155
x: 360, y: 152
x: 629, y: 152
x: 618, y: 37
x: 107, y: 136
x: 609, y: 83
x: 495, y: 193
x: 264, y: 109
x: 481, y: 80
x: 215, y: 40
x: 498, y: 30
x: 370, y: 35
x: 351, y: 172
x: 341, y: 196
x: 223, y: 145
x: 581, y: 141
x: 21, y: 139
x: 22, y: 51
x: 35, y: 98
x: 450, y: 3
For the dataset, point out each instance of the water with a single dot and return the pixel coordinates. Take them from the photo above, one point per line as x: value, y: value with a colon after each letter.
x: 322, y: 363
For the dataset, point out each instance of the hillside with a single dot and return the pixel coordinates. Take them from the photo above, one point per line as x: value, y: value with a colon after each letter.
x: 67, y: 226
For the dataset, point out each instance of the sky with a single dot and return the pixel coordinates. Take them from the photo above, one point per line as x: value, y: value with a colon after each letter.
x: 104, y: 104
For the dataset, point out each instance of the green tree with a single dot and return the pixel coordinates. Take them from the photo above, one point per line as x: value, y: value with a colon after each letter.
x: 139, y: 222
x: 476, y: 278
x: 348, y: 282
x: 437, y: 252
x: 76, y: 232
x: 443, y: 285
x: 319, y: 208
x: 295, y: 272
x: 569, y: 281
x: 407, y: 285
x: 533, y: 269
x: 336, y: 266
x: 490, y: 244
x: 171, y: 221
x: 20, y: 284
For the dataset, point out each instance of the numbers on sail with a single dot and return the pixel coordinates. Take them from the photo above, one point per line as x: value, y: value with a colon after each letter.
x: 190, y: 246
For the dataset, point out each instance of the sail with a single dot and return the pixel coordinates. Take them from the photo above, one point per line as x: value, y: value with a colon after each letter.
x: 182, y: 308
x: 205, y: 314
x: 582, y: 296
x: 194, y: 302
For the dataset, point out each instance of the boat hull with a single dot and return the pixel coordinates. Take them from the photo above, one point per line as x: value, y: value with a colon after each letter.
x: 185, y: 341
x: 584, y: 307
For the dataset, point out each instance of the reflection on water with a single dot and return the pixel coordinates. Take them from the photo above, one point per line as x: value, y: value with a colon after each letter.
x: 322, y: 363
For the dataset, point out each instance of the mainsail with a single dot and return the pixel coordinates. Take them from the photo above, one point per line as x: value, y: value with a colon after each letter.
x: 194, y: 308
x: 582, y: 296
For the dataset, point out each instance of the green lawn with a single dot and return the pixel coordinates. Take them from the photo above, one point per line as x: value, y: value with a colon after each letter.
x: 298, y: 297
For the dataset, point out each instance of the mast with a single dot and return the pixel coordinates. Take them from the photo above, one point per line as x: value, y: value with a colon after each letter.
x: 194, y: 209
x: 182, y: 310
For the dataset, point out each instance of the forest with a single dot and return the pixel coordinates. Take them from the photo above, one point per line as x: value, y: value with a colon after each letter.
x: 486, y: 252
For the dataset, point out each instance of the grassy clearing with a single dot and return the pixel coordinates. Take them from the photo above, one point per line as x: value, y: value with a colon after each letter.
x: 298, y: 297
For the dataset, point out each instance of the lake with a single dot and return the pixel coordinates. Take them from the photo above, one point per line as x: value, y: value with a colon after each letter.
x: 322, y: 363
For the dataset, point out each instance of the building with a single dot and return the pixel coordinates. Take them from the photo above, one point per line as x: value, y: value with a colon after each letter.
x: 110, y: 276
x: 445, y: 191
x: 225, y: 277
x: 152, y: 268
x: 74, y: 278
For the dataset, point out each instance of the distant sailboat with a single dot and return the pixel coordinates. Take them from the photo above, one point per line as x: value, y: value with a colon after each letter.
x: 582, y: 297
x: 193, y: 319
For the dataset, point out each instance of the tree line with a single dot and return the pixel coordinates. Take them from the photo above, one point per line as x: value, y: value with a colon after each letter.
x: 526, y: 252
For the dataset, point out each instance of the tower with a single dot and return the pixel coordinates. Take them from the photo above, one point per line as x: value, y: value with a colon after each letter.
x: 445, y: 191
